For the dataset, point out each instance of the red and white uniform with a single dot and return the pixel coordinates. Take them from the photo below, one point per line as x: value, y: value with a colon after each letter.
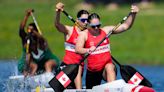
x: 101, y: 56
x: 70, y: 56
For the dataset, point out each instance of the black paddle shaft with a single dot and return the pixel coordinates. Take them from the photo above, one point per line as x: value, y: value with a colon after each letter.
x: 70, y: 17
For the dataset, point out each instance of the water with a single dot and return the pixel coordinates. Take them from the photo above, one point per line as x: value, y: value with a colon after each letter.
x: 153, y: 73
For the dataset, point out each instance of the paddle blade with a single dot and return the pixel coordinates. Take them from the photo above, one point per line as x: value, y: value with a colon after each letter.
x: 128, y: 72
x: 63, y: 79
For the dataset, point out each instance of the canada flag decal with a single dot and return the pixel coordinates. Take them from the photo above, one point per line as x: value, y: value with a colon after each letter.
x: 63, y: 79
x: 136, y: 79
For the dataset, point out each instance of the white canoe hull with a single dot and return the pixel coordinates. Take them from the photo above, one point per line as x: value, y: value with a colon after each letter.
x: 115, y: 86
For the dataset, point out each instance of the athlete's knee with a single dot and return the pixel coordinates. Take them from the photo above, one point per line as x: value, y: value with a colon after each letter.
x: 50, y: 63
x: 110, y: 67
x: 33, y: 66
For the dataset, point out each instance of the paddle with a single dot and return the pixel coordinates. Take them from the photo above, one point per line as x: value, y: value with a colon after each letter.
x: 126, y: 71
x: 27, y: 63
x: 36, y: 23
x: 68, y: 73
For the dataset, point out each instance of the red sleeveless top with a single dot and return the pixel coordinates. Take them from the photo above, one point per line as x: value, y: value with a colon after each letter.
x: 70, y: 56
x: 101, y: 56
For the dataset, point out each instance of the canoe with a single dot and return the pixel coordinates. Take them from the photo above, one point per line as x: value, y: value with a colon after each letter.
x: 115, y: 86
x: 39, y: 83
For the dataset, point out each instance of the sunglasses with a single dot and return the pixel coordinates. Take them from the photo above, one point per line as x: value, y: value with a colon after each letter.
x: 83, y: 20
x: 95, y: 25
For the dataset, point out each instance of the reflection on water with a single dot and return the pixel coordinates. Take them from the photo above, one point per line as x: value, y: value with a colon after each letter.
x: 9, y: 68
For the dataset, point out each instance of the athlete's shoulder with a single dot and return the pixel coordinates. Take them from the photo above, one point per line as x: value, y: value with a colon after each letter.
x: 69, y: 28
x: 107, y: 29
x: 84, y: 32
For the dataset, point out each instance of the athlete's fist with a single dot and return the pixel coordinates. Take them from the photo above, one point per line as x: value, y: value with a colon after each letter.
x: 59, y: 6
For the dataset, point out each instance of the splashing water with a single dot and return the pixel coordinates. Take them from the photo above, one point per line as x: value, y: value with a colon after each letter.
x: 7, y: 85
x: 12, y: 81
